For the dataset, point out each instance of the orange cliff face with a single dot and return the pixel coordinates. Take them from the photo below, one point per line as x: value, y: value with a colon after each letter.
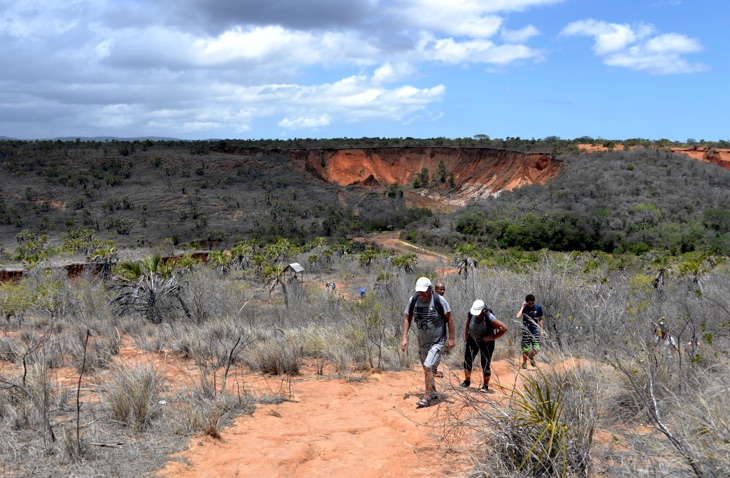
x: 718, y: 156
x: 478, y: 172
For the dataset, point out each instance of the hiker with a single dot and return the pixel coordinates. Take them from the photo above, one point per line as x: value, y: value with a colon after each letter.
x: 432, y: 315
x: 440, y: 289
x: 361, y: 291
x: 481, y: 330
x: 531, y: 315
x: 662, y: 337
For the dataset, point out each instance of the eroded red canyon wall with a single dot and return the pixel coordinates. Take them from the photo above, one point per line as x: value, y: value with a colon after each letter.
x: 477, y: 172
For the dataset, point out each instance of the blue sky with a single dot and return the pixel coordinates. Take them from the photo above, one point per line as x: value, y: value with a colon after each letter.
x: 202, y: 69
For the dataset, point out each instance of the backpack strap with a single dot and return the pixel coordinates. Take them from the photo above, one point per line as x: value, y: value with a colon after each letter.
x: 436, y: 302
x: 411, y: 306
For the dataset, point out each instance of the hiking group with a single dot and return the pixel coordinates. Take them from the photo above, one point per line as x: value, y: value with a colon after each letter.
x: 435, y: 333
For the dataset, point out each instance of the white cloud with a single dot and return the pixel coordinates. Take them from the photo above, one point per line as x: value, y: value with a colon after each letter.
x: 34, y: 19
x: 609, y: 37
x: 638, y: 47
x: 390, y: 72
x: 304, y: 123
x: 519, y: 36
x: 467, y: 18
x: 448, y: 50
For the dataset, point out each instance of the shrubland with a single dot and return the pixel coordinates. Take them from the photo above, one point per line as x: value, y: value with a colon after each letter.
x: 665, y: 409
x: 78, y: 199
x: 616, y: 243
x: 636, y: 201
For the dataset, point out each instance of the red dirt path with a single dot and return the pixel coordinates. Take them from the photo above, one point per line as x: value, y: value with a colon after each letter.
x: 335, y: 427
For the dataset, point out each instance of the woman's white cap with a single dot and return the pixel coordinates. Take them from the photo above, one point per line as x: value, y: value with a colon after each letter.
x: 477, y: 307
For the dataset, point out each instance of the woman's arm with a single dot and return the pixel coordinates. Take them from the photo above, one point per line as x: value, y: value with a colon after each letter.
x: 499, y: 330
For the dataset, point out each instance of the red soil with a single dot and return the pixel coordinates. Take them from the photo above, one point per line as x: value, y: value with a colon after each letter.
x: 333, y: 427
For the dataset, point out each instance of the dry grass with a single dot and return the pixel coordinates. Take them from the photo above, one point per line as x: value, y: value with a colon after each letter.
x: 676, y: 402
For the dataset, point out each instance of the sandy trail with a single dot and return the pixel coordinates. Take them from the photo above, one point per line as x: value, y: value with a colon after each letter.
x: 335, y: 427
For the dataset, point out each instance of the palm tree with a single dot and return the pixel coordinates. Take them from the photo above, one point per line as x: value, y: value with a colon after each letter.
x: 106, y: 256
x: 406, y: 262
x: 221, y: 261
x: 274, y: 275
x: 144, y: 287
x: 243, y: 253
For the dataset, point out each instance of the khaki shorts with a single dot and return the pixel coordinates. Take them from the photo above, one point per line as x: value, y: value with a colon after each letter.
x: 431, y: 357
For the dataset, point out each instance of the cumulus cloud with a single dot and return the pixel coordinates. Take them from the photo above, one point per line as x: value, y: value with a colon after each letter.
x: 639, y: 47
x: 168, y: 67
x: 196, y: 68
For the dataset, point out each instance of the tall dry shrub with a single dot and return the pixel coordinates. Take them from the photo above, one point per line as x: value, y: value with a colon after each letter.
x: 130, y: 395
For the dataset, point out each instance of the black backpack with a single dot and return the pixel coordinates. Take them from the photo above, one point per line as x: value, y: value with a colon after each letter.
x: 436, y: 302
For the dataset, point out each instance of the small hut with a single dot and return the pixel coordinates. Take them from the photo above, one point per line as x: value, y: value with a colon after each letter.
x: 294, y: 271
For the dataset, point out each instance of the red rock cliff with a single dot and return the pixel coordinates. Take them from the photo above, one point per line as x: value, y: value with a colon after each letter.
x: 478, y: 172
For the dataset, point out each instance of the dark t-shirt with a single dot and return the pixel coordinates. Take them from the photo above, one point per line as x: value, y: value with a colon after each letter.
x: 531, y: 318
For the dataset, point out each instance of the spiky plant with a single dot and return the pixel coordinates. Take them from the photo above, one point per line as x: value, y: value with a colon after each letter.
x: 144, y: 287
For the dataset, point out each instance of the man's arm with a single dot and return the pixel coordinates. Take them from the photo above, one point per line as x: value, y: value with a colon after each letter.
x: 450, y: 326
x: 406, y: 326
x: 466, y: 327
x: 521, y: 311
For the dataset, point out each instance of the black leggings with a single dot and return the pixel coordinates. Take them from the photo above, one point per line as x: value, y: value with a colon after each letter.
x: 476, y: 346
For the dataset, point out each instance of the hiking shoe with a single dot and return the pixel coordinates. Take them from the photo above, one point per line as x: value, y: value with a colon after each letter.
x: 532, y: 362
x: 485, y: 389
x: 465, y: 384
x: 423, y: 402
x: 524, y: 366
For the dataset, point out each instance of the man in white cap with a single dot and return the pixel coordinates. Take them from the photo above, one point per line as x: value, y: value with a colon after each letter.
x: 432, y: 314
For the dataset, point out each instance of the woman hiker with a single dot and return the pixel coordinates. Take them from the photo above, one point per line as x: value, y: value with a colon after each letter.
x: 481, y: 330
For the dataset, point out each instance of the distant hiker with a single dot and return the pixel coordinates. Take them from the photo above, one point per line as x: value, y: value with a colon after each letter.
x: 361, y: 291
x: 662, y: 337
x: 440, y: 289
x: 327, y: 285
x: 334, y: 286
x: 531, y: 315
x: 481, y: 330
x: 432, y: 315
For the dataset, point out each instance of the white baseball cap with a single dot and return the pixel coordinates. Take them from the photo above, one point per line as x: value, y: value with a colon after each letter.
x: 477, y: 307
x: 423, y: 284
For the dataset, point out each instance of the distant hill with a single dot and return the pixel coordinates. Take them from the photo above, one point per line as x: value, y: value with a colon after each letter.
x: 214, y: 194
x: 93, y: 138
x: 113, y: 138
